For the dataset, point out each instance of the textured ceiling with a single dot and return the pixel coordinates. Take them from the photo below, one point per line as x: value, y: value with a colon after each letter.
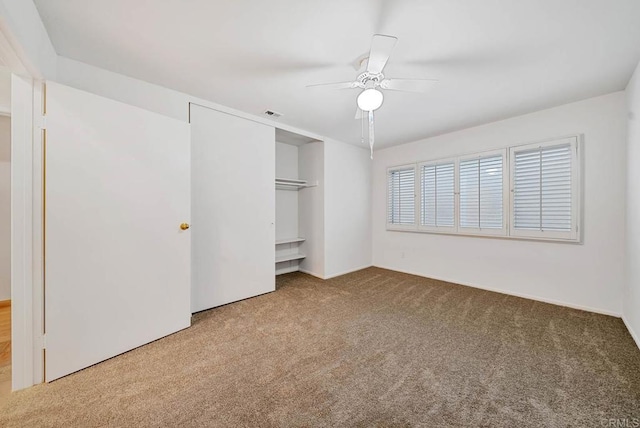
x: 493, y: 58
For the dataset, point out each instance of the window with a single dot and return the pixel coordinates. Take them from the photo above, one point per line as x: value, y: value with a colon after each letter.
x: 401, y: 208
x: 482, y: 194
x: 437, y: 195
x: 530, y: 191
x: 545, y: 197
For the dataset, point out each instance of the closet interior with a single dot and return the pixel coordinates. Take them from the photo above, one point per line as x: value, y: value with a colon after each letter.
x: 296, y: 186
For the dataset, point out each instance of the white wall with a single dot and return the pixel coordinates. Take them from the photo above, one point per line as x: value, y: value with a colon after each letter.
x: 631, y: 308
x: 5, y: 208
x: 286, y: 200
x: 311, y: 208
x: 347, y: 171
x: 28, y: 37
x: 5, y: 91
x: 589, y: 276
x: 146, y: 95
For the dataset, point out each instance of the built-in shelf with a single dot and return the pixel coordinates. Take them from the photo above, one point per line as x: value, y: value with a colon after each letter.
x: 289, y: 257
x: 289, y: 241
x: 293, y: 183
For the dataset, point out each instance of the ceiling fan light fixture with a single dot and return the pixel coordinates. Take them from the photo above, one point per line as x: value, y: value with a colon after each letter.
x: 370, y: 99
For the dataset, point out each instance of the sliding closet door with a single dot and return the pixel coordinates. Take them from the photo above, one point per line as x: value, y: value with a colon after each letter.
x: 117, y: 270
x: 233, y: 208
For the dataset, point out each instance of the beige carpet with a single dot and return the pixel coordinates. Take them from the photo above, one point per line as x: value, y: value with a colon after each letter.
x: 372, y: 348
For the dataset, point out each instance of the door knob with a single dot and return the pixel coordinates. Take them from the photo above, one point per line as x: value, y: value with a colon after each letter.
x: 184, y: 226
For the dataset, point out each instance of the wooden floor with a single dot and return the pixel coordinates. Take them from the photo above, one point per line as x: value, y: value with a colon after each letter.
x: 5, y: 352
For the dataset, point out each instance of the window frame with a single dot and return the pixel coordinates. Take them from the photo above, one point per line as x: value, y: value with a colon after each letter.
x: 396, y: 226
x: 438, y: 229
x: 576, y: 189
x: 477, y: 231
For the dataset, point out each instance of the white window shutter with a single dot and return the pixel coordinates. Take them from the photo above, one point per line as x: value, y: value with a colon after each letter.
x: 544, y: 191
x: 401, y: 196
x: 556, y: 188
x: 428, y: 197
x: 438, y: 195
x: 527, y: 190
x: 481, y: 193
x: 470, y: 193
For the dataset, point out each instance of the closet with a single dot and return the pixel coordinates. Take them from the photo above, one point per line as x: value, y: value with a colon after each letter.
x: 232, y: 208
x: 296, y: 184
x: 256, y: 206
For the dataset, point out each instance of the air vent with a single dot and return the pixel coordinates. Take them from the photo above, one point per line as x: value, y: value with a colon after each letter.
x: 272, y: 113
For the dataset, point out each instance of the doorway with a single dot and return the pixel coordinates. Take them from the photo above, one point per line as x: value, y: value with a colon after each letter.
x: 5, y: 233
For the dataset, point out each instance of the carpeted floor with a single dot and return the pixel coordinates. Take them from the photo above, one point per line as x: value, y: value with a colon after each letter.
x: 372, y: 348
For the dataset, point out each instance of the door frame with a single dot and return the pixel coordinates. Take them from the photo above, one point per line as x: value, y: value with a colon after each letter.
x: 27, y: 258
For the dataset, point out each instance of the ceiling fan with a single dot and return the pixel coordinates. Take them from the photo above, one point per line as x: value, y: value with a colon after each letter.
x: 372, y: 82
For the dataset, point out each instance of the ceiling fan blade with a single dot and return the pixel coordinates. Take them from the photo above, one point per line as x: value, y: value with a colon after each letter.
x: 408, y: 85
x: 381, y: 47
x: 358, y: 113
x: 337, y: 85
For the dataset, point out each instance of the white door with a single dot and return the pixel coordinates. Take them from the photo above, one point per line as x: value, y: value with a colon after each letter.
x: 233, y: 208
x: 117, y: 271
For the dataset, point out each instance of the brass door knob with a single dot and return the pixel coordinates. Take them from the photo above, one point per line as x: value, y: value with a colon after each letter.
x: 184, y: 226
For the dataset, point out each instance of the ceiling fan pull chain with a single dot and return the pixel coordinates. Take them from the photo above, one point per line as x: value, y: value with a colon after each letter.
x: 362, y: 129
x: 371, y: 132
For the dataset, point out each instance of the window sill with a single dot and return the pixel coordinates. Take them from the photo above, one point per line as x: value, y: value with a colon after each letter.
x: 412, y: 229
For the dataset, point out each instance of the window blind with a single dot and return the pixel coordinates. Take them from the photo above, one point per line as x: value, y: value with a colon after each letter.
x: 543, y: 189
x: 401, y: 196
x: 438, y: 195
x: 481, y: 193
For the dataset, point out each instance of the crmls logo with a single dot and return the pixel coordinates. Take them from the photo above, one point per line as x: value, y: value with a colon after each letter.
x: 621, y: 423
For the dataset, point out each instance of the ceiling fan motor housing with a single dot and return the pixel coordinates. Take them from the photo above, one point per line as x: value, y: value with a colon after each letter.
x: 369, y: 80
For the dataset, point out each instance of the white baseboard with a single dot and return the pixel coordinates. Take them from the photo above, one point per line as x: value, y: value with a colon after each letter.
x: 308, y: 272
x: 633, y: 334
x: 287, y: 270
x: 522, y: 295
x: 333, y: 275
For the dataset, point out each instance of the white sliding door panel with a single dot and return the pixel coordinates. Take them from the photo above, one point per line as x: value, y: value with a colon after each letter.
x: 233, y: 207
x: 117, y: 262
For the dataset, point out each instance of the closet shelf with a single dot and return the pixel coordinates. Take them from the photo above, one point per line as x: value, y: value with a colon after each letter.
x: 289, y: 257
x: 289, y: 241
x: 293, y: 183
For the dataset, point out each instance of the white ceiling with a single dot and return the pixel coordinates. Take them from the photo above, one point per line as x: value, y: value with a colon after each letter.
x: 494, y: 58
